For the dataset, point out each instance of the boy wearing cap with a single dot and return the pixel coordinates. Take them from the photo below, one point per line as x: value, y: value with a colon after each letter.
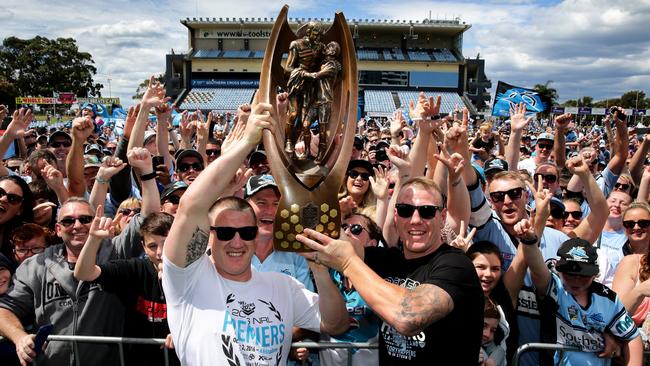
x: 581, y: 310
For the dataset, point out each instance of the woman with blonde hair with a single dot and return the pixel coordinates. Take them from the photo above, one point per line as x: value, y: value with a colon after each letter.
x: 128, y: 208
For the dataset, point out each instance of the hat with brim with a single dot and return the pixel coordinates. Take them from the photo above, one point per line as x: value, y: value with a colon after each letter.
x: 171, y: 188
x: 545, y: 136
x: 91, y: 161
x: 59, y: 133
x: 495, y: 165
x: 257, y: 156
x: 257, y: 183
x: 148, y: 135
x: 359, y: 163
x: 182, y: 154
x: 577, y: 257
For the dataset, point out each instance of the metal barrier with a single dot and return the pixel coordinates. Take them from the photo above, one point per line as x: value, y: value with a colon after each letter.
x: 542, y: 347
x: 120, y: 341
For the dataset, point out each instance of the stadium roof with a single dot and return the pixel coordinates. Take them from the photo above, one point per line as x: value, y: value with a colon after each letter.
x: 451, y: 27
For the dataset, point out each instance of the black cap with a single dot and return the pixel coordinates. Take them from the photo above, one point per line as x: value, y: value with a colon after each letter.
x: 59, y: 133
x: 381, y: 144
x: 495, y: 165
x: 258, y: 182
x: 256, y: 157
x: 182, y: 154
x: 578, y: 257
x: 358, y: 163
x: 92, y: 147
x: 171, y: 188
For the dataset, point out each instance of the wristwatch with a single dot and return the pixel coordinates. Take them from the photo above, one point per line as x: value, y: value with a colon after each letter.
x: 531, y: 241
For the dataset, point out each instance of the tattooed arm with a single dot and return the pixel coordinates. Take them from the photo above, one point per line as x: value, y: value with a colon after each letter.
x: 188, y: 236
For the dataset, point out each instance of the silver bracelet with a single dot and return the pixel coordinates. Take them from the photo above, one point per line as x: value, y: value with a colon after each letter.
x: 102, y: 180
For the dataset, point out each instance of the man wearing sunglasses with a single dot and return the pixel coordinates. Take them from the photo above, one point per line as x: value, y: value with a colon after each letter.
x: 189, y: 163
x: 171, y: 196
x: 543, y: 150
x: 220, y: 310
x: 45, y: 290
x: 427, y: 294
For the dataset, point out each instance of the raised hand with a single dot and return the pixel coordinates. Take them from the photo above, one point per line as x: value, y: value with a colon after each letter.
x: 103, y: 227
x: 202, y: 128
x: 400, y: 159
x: 347, y: 205
x: 576, y: 165
x: 518, y: 119
x: 19, y: 122
x: 397, y: 123
x: 259, y: 120
x: 379, y: 183
x: 164, y: 114
x: 464, y: 239
x: 454, y: 164
x: 562, y: 121
x: 52, y: 176
x: 335, y: 254
x: 155, y: 94
x: 186, y: 126
x: 244, y: 112
x: 425, y: 107
x: 525, y: 230
x: 82, y: 128
x: 131, y: 116
x: 140, y: 158
x: 542, y: 202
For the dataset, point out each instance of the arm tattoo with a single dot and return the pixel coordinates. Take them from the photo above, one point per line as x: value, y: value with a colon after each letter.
x: 197, y: 245
x: 422, y: 306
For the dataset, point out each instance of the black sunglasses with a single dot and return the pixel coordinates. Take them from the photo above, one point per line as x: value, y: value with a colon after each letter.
x: 69, y: 221
x: 545, y: 146
x: 550, y: 178
x: 621, y: 186
x: 12, y: 198
x: 215, y: 152
x: 514, y: 194
x: 354, y: 174
x: 127, y: 211
x: 61, y: 143
x: 426, y: 212
x: 197, y: 167
x: 355, y: 229
x: 225, y: 233
x: 577, y: 215
x: 557, y: 213
x: 174, y: 200
x: 629, y: 224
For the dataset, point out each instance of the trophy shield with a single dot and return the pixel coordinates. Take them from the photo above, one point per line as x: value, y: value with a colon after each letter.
x: 323, y: 88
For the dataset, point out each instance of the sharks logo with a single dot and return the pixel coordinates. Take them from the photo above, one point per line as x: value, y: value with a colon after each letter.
x: 247, y: 309
x: 578, y: 254
x: 508, y: 96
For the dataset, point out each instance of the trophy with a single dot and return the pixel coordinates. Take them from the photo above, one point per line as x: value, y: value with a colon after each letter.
x: 320, y: 77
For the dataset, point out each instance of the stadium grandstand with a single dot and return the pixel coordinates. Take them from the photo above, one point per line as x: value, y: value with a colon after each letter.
x: 396, y: 60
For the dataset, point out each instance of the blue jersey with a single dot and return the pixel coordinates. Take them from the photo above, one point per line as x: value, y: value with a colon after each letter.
x: 583, y: 328
x: 288, y: 263
x: 364, y: 324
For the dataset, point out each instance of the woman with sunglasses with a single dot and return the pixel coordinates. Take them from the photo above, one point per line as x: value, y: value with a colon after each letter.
x: 16, y: 204
x: 631, y: 281
x: 356, y: 191
x: 128, y: 208
x: 362, y: 232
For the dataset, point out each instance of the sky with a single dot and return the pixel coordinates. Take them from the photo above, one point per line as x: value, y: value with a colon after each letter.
x: 598, y: 48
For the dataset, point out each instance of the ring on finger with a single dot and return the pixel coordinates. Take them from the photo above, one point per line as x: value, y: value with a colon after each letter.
x: 316, y: 260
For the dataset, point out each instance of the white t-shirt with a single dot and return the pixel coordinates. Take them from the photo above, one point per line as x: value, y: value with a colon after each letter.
x: 215, y: 321
x: 528, y: 164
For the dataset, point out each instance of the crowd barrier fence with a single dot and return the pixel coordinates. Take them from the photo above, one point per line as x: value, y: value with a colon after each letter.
x: 121, y: 341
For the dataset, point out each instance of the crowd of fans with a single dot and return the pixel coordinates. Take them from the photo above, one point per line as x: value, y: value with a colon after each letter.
x: 550, y: 218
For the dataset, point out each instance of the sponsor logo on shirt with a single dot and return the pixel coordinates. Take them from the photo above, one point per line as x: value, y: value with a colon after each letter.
x: 573, y: 312
x: 527, y: 303
x: 587, y: 341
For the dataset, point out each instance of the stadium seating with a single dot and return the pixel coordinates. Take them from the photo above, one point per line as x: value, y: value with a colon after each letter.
x: 444, y: 55
x: 419, y: 56
x: 236, y: 54
x: 448, y: 102
x: 221, y: 99
x: 258, y: 54
x: 367, y: 55
x: 207, y: 53
x: 378, y: 101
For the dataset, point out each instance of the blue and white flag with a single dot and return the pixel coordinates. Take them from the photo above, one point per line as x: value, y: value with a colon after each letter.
x: 508, y: 96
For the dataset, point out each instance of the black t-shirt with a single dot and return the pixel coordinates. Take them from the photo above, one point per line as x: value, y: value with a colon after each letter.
x: 457, y: 336
x: 488, y: 146
x: 135, y: 281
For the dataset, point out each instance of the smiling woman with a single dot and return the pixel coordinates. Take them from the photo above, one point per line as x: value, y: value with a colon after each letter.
x: 15, y: 208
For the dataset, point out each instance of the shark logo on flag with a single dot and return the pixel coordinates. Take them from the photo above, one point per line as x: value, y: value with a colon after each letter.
x: 507, y: 96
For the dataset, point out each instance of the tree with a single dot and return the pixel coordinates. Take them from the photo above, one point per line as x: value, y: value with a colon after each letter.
x: 41, y: 66
x: 144, y: 85
x: 8, y: 93
x: 547, y: 94
x: 633, y: 98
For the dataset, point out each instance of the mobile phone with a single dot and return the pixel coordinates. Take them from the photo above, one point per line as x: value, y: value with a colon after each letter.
x: 156, y: 161
x: 381, y: 155
x: 41, y: 336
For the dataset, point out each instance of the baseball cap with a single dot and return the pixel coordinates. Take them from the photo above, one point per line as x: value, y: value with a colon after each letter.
x: 577, y: 257
x: 92, y: 147
x: 545, y: 136
x: 359, y: 163
x: 91, y: 161
x: 382, y: 145
x: 256, y: 156
x: 58, y: 133
x: 171, y: 188
x: 148, y: 135
x: 495, y: 165
x: 182, y: 154
x: 258, y: 182
x: 555, y: 202
x: 602, y: 143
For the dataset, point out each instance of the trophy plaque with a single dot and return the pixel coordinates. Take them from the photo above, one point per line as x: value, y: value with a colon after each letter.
x: 320, y: 77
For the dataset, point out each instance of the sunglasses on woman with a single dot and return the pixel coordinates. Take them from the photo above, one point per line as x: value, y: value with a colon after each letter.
x: 355, y: 229
x: 426, y: 212
x: 127, y: 211
x: 12, y: 198
x: 622, y: 186
x: 630, y: 224
x: 577, y: 215
x: 514, y: 194
x: 354, y: 174
x: 225, y: 233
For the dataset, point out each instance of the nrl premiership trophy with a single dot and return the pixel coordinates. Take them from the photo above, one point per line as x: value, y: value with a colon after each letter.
x: 320, y: 77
